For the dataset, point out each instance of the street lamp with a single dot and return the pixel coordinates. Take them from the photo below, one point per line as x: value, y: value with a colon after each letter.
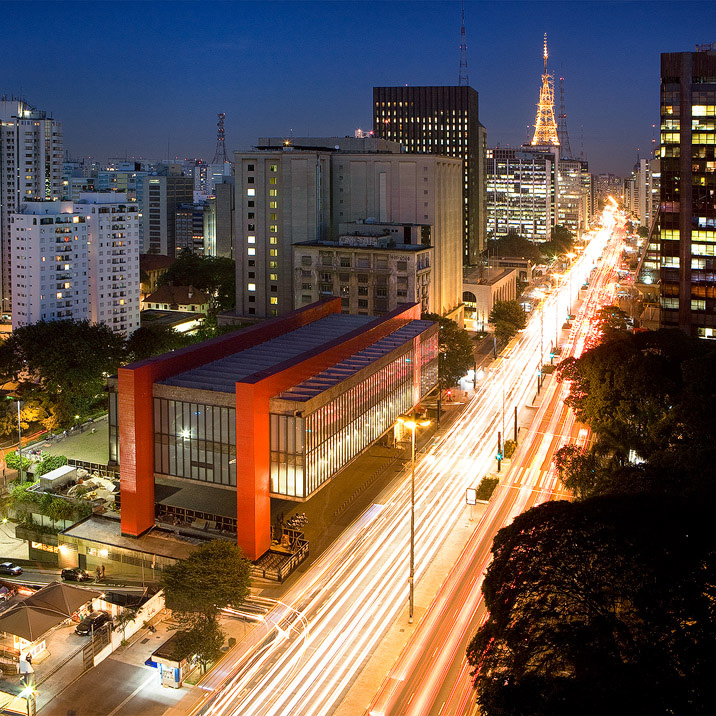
x: 412, y: 424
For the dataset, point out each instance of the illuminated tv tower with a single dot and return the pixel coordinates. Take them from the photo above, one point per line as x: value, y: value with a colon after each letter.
x: 545, y: 124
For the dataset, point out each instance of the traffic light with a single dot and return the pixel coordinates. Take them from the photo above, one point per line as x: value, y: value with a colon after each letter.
x: 449, y: 394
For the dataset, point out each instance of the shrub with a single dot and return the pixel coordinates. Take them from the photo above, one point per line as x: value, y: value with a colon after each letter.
x: 486, y: 487
x: 510, y: 447
x: 48, y: 463
x: 12, y: 460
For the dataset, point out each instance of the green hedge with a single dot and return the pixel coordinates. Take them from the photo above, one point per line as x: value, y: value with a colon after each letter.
x: 487, y: 487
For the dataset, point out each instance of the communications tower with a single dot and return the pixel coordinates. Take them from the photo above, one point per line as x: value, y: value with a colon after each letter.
x: 566, y: 152
x: 462, y: 80
x: 220, y: 155
x: 545, y: 124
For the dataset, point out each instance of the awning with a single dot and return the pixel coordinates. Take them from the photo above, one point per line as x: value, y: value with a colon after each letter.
x: 44, y: 610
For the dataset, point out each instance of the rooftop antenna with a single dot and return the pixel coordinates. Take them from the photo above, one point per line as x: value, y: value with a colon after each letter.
x: 562, y: 124
x: 581, y: 153
x: 463, y: 80
x: 220, y: 154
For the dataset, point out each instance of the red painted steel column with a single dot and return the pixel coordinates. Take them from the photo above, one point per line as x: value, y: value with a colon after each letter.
x: 253, y: 463
x: 136, y: 439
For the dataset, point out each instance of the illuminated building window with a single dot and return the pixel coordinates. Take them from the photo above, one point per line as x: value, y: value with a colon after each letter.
x: 272, y: 180
x: 273, y: 192
x: 251, y: 287
x: 251, y: 192
x: 274, y: 300
x: 273, y: 205
x: 273, y: 252
x: 273, y: 277
x: 273, y: 240
x: 273, y: 168
x: 252, y: 251
x: 273, y: 264
x: 251, y: 239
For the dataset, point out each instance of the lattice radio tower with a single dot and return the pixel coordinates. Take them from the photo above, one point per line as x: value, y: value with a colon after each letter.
x: 545, y: 125
x: 566, y: 152
x: 220, y: 154
x: 462, y: 79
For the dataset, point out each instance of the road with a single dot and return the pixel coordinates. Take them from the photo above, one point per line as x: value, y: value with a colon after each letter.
x: 441, y: 683
x: 309, y: 650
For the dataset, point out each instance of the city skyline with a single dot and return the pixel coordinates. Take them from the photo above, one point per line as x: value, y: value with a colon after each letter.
x: 309, y: 68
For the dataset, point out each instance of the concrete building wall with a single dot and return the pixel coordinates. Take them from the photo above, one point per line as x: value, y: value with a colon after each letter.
x: 404, y: 188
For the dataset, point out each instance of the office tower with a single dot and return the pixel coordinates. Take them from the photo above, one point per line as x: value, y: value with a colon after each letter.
x: 219, y: 220
x: 687, y: 219
x: 522, y: 193
x: 162, y: 194
x: 441, y: 120
x: 77, y: 260
x: 303, y: 190
x: 30, y: 169
x: 189, y: 228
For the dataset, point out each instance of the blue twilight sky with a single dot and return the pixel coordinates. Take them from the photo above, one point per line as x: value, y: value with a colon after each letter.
x: 148, y: 78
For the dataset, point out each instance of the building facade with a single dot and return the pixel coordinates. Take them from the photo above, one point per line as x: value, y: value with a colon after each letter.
x: 271, y: 412
x: 113, y: 253
x: 482, y: 287
x: 687, y: 217
x: 521, y: 193
x: 304, y: 190
x: 441, y: 120
x: 372, y: 268
x: 30, y: 170
x: 77, y: 261
x: 162, y: 195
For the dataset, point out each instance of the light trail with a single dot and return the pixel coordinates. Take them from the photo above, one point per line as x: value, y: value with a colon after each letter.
x: 356, y: 590
x: 442, y: 685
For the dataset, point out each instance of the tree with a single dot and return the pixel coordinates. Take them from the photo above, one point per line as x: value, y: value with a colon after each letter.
x: 211, y: 578
x: 642, y: 232
x: 592, y: 611
x: 66, y: 362
x: 627, y: 390
x: 612, y: 323
x: 148, y: 341
x: 214, y: 274
x: 203, y: 641
x: 561, y: 241
x: 124, y: 619
x: 507, y: 317
x: 457, y: 355
x: 515, y: 245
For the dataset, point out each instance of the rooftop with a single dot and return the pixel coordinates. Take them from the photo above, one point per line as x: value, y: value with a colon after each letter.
x: 221, y: 375
x: 350, y: 366
x: 486, y: 276
x: 107, y: 530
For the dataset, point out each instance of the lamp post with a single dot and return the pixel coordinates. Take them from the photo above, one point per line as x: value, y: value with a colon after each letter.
x: 412, y: 424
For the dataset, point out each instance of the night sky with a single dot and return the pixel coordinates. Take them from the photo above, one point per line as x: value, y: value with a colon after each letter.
x: 147, y: 79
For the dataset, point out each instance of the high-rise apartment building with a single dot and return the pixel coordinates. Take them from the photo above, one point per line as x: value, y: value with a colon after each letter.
x: 303, y: 190
x: 114, y: 280
x: 687, y: 218
x: 77, y: 260
x: 441, y: 120
x: 30, y: 169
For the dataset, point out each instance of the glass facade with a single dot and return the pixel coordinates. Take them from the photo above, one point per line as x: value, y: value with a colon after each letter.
x: 307, y: 451
x: 195, y: 441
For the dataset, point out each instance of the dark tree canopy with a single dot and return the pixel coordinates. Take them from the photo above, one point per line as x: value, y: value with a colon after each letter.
x: 599, y: 607
x: 507, y: 317
x: 68, y: 361
x: 612, y: 323
x: 216, y: 575
x: 628, y: 391
x: 457, y: 353
x: 214, y: 274
x: 516, y: 245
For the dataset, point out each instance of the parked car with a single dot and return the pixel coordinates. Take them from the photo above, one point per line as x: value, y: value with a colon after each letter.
x: 93, y: 622
x: 10, y: 568
x: 75, y: 574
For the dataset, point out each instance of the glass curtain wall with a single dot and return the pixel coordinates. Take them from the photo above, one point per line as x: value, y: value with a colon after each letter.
x: 113, y: 427
x: 305, y: 452
x: 195, y: 441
